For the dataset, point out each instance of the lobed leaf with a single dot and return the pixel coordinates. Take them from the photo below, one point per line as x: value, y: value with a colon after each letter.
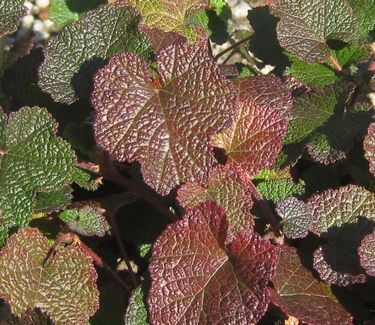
x: 366, y: 253
x: 369, y: 146
x: 10, y: 13
x: 87, y: 220
x: 335, y: 207
x: 32, y: 159
x: 305, y: 26
x: 164, y: 122
x: 229, y: 187
x: 296, y: 216
x: 255, y: 138
x: 75, y: 54
x: 170, y: 16
x: 192, y: 273
x: 298, y: 293
x: 25, y: 283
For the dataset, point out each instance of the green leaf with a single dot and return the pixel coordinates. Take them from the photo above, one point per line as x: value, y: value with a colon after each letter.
x: 32, y: 159
x: 136, y: 313
x: 74, y: 55
x: 53, y: 201
x: 365, y: 12
x: 87, y: 221
x: 279, y: 189
x: 84, y: 180
x: 64, y: 287
x: 310, y: 112
x: 63, y: 12
x: 170, y: 16
x: 305, y: 26
x: 10, y: 13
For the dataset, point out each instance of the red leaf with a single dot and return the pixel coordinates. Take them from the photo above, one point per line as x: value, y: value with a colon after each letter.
x: 229, y: 187
x: 300, y: 295
x: 164, y: 122
x: 367, y: 253
x: 255, y: 139
x: 195, y: 281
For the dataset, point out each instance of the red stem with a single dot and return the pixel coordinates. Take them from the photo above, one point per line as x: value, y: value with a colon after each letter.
x: 335, y: 63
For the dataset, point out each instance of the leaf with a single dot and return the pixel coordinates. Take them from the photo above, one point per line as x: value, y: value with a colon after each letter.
x: 338, y: 262
x: 87, y: 220
x: 136, y: 313
x: 10, y: 13
x: 305, y: 26
x: 309, y: 113
x: 83, y: 179
x: 229, y: 187
x: 296, y: 216
x: 279, y: 189
x: 366, y: 253
x: 164, y: 122
x: 369, y: 146
x: 30, y: 317
x: 32, y: 159
x: 365, y: 12
x: 26, y: 283
x: 74, y: 55
x: 53, y: 201
x: 335, y: 207
x: 191, y: 272
x: 299, y: 294
x: 170, y: 16
x: 63, y: 12
x: 255, y: 138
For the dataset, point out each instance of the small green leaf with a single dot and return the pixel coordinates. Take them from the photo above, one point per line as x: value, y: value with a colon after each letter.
x: 84, y: 180
x: 279, y: 189
x: 87, y: 221
x: 53, y: 201
x: 136, y: 313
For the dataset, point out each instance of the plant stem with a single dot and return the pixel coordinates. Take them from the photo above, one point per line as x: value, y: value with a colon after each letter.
x: 111, y: 173
x: 335, y: 63
x: 123, y: 250
x: 265, y: 208
x: 233, y: 46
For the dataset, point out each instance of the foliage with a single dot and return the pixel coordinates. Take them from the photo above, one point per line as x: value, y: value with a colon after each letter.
x: 203, y: 190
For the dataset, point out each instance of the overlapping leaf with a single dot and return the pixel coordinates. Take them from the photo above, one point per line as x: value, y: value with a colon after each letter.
x: 366, y: 253
x: 335, y: 217
x: 369, y: 146
x: 25, y: 283
x: 296, y: 216
x: 335, y: 207
x: 192, y: 273
x: 164, y: 122
x: 74, y: 55
x: 32, y: 159
x: 305, y: 26
x: 87, y: 220
x: 365, y: 11
x: 10, y: 13
x: 229, y: 187
x: 298, y: 293
x: 170, y: 16
x: 255, y: 138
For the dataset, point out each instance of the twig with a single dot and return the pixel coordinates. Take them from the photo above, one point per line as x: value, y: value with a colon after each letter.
x: 335, y: 63
x: 122, y: 249
x: 233, y: 46
x: 265, y: 209
x: 111, y: 173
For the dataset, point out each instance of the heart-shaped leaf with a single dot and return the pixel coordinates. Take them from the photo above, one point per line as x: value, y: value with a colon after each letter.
x: 164, y: 122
